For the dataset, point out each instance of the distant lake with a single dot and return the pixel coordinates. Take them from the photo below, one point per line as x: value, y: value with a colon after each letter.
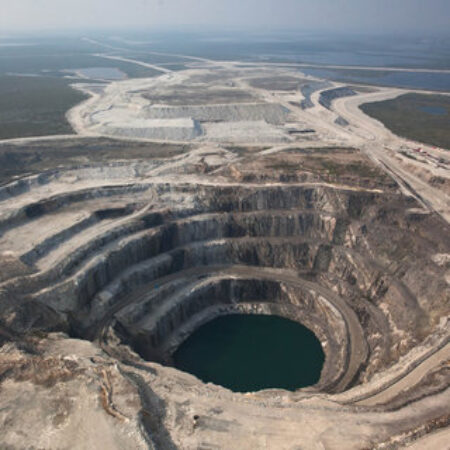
x: 434, y: 110
x: 102, y: 73
x: 414, y: 80
x: 345, y: 58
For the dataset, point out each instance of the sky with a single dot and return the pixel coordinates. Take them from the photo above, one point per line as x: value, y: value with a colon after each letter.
x: 376, y: 16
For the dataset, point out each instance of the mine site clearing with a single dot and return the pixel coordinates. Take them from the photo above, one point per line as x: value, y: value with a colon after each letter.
x: 140, y: 254
x: 226, y: 103
x: 281, y: 197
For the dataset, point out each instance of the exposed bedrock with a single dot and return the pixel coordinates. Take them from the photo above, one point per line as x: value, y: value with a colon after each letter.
x: 114, y: 252
x: 157, y: 325
x: 317, y: 254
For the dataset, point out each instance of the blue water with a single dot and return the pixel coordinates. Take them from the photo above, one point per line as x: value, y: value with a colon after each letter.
x: 434, y: 110
x: 415, y: 80
x: 247, y: 353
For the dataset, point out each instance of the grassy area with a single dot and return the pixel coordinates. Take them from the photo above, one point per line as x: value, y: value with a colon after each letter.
x: 404, y: 117
x: 35, y: 106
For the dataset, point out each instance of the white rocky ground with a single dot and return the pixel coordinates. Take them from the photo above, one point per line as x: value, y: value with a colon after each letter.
x: 271, y: 117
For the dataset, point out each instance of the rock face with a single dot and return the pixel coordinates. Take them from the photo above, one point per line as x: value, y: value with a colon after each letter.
x: 129, y: 262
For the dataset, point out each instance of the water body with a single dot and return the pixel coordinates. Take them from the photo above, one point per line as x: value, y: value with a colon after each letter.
x: 434, y: 81
x: 247, y: 353
x: 433, y: 110
x: 345, y: 58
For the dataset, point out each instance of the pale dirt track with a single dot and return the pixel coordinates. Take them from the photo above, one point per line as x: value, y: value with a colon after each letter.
x: 442, y: 356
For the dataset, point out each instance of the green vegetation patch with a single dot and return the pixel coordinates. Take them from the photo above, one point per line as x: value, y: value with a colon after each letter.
x: 35, y: 106
x: 407, y: 116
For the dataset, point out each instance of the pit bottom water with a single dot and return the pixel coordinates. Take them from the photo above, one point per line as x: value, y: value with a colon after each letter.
x: 247, y: 353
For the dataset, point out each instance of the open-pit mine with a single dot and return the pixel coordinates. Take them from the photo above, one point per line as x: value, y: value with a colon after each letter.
x: 224, y: 189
